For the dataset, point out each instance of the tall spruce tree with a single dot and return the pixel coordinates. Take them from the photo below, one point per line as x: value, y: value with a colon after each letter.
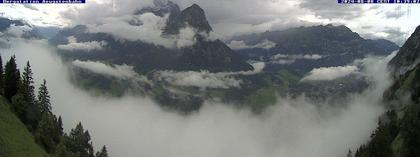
x: 79, y: 142
x: 1, y: 77
x: 11, y: 78
x: 27, y: 82
x: 32, y: 110
x: 44, y: 99
x: 102, y: 153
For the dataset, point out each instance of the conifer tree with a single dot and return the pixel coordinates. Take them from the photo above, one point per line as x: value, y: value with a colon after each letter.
x: 1, y: 77
x: 32, y: 110
x: 60, y: 126
x: 11, y: 78
x: 45, y: 133
x: 79, y: 142
x: 27, y: 82
x: 44, y: 99
x: 102, y: 153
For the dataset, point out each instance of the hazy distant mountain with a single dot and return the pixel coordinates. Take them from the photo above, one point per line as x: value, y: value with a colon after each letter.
x: 305, y: 48
x: 5, y: 23
x: 28, y: 31
x: 322, y: 40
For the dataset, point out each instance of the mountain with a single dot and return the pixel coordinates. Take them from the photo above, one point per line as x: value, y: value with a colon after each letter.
x: 409, y: 55
x: 192, y: 16
x: 305, y: 48
x: 398, y: 131
x: 204, y: 54
x: 6, y: 23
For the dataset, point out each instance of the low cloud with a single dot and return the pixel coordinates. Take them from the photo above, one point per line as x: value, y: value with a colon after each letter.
x: 118, y: 71
x: 203, y: 79
x: 206, y: 79
x: 73, y: 45
x: 330, y: 73
x: 16, y: 31
x: 239, y: 45
x: 289, y: 59
x: 145, y: 27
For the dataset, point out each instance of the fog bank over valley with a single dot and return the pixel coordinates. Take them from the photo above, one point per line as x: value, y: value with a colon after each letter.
x: 133, y: 126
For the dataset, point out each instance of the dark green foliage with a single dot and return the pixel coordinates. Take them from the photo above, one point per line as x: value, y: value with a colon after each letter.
x: 44, y: 98
x: 11, y: 78
x: 36, y: 114
x: 102, y: 153
x: 382, y: 138
x: 1, y: 76
x: 410, y: 131
x: 63, y: 151
x: 32, y: 110
x: 15, y: 139
x: 79, y: 142
x: 47, y: 133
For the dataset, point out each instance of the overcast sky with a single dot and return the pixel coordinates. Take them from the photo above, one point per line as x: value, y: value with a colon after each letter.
x: 230, y: 17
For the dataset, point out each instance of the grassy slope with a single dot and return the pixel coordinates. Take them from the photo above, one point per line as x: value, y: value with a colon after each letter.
x: 15, y: 139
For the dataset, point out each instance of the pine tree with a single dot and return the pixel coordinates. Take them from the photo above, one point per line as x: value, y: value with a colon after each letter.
x: 27, y: 82
x: 79, y: 142
x: 60, y: 126
x: 33, y: 113
x: 102, y: 153
x: 45, y: 133
x: 11, y: 78
x: 1, y: 77
x: 44, y: 99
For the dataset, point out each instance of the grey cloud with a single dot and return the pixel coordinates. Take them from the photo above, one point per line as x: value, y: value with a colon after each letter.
x: 31, y: 7
x: 396, y: 13
x: 331, y: 9
x: 396, y: 35
x: 73, y: 45
x: 206, y: 79
x: 150, y: 30
x: 330, y: 73
x: 118, y: 71
x: 238, y: 45
x: 289, y: 59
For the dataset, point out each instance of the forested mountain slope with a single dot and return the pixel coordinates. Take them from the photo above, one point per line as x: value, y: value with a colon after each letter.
x: 398, y: 133
x: 15, y: 139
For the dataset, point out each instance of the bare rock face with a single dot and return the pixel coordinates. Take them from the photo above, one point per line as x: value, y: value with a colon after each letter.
x: 408, y: 57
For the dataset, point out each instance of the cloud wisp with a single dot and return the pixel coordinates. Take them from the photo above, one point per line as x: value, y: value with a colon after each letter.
x: 330, y: 73
x: 133, y: 126
x: 206, y: 79
x: 73, y: 45
x: 239, y: 45
x: 118, y: 71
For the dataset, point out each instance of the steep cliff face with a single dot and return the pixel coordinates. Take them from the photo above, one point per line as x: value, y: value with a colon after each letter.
x: 408, y: 57
x: 398, y: 133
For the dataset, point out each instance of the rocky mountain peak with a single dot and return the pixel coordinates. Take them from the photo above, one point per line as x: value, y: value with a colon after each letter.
x: 193, y: 16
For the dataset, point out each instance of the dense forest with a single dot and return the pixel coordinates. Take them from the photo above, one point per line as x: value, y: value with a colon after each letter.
x: 34, y: 111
